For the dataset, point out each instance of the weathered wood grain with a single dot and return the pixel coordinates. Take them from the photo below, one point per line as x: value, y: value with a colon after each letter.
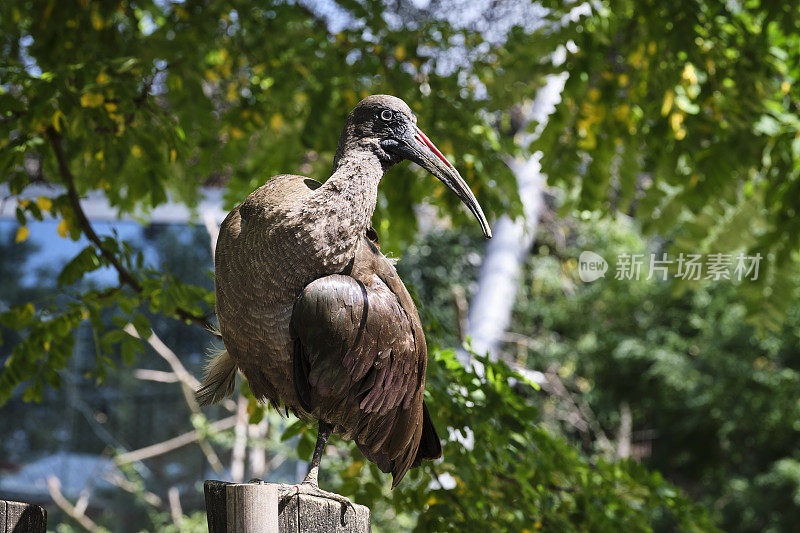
x: 216, y: 507
x: 256, y: 508
x: 252, y: 508
x: 20, y: 517
x: 303, y: 513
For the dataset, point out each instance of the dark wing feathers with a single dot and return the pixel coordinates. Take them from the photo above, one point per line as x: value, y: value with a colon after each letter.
x: 301, y: 386
x: 429, y: 447
x: 354, y: 339
x: 360, y: 361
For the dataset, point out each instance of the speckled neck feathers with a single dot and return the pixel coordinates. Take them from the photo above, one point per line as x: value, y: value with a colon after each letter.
x: 352, y: 190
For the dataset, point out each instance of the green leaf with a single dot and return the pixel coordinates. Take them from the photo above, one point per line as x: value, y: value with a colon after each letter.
x: 294, y: 429
x: 305, y: 446
x: 86, y: 261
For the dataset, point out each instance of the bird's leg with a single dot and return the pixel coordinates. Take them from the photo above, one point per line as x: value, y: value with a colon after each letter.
x: 323, y: 433
x: 310, y: 484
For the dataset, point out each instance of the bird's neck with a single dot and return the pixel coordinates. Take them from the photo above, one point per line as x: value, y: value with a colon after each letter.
x: 338, y: 213
x: 352, y: 190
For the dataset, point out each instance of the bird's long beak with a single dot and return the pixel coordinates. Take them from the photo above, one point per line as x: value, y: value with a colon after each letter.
x: 424, y: 153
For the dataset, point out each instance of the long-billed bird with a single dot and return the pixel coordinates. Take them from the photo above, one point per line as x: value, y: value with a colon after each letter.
x: 314, y: 315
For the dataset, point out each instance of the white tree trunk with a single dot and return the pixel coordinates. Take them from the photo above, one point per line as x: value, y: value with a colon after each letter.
x: 491, y: 306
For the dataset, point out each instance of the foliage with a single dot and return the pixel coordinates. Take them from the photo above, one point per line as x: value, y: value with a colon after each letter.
x: 502, y: 471
x: 717, y: 402
x: 522, y: 476
x: 151, y: 101
x: 684, y: 114
x: 714, y: 404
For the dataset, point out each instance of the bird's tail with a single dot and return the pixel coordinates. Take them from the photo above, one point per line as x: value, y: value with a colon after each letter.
x: 219, y: 380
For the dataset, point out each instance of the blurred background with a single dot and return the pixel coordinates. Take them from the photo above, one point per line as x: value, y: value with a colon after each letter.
x: 650, y: 385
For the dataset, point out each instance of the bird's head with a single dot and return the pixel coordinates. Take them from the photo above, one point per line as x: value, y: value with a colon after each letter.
x: 386, y: 126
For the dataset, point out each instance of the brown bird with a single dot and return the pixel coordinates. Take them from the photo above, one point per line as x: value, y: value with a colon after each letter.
x: 312, y: 312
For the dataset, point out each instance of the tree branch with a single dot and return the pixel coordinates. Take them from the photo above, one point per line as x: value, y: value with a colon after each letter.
x: 154, y: 450
x: 257, y: 452
x: 155, y: 375
x: 461, y: 308
x: 125, y: 276
x: 54, y: 488
x: 240, y: 442
x: 175, y: 510
x: 179, y: 372
x: 75, y: 201
x: 579, y: 410
x: 118, y: 480
x: 188, y: 381
x: 188, y: 385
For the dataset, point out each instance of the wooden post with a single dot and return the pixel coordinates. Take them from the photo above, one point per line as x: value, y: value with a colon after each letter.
x: 251, y: 507
x: 19, y: 517
x: 256, y: 508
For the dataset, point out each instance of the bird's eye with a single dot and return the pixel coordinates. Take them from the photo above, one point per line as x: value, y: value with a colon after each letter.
x: 386, y: 114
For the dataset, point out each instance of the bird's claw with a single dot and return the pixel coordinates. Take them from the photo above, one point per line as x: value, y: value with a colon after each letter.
x: 310, y: 489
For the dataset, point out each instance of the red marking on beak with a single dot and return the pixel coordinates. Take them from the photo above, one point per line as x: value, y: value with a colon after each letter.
x: 423, y: 140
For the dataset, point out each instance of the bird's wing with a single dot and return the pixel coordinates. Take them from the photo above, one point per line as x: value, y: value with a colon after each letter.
x: 360, y: 360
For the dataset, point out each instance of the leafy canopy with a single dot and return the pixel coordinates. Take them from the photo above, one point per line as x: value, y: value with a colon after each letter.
x: 685, y: 115
x: 153, y: 101
x: 682, y: 114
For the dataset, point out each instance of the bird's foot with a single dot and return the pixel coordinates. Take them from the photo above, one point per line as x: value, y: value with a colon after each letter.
x: 311, y: 489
